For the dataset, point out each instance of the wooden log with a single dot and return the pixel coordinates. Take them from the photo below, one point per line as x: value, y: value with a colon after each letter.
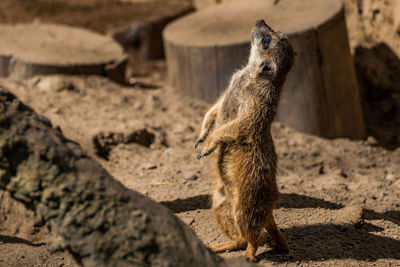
x: 37, y: 49
x: 321, y: 95
x: 93, y: 216
x: 146, y: 36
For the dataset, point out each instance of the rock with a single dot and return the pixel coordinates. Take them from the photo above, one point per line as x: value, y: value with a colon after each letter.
x: 188, y: 221
x: 33, y: 82
x: 143, y: 84
x: 149, y: 166
x: 92, y: 215
x: 53, y: 83
x: 140, y: 136
x: 15, y: 218
x: 104, y: 141
x: 321, y: 170
x: 190, y: 176
x: 349, y: 216
x: 371, y: 141
x: 343, y: 174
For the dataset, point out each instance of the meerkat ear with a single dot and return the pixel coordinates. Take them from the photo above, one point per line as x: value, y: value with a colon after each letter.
x: 261, y: 23
x: 269, y: 28
x: 281, y: 35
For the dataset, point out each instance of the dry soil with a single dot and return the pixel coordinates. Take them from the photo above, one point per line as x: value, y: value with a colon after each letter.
x: 322, y: 181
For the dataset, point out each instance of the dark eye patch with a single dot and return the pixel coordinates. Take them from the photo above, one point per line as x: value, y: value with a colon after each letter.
x: 266, y: 41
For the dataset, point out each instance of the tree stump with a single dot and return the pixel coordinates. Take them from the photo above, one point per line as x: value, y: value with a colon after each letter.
x: 321, y: 95
x: 36, y: 49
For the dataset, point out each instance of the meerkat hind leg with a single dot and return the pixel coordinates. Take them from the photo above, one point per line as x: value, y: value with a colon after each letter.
x: 276, y: 235
x: 250, y: 252
x: 232, y: 245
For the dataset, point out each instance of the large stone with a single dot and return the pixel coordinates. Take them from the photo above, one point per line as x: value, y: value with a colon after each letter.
x: 96, y: 218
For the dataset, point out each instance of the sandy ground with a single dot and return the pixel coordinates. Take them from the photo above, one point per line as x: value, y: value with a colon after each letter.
x: 321, y: 180
x: 317, y: 178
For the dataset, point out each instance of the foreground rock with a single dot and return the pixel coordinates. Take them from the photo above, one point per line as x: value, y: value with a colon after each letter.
x: 93, y: 216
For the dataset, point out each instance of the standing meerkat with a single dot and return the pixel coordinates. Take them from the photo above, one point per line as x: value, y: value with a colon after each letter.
x: 237, y: 127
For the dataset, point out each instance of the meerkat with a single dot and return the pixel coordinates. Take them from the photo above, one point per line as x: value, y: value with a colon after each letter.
x: 237, y: 128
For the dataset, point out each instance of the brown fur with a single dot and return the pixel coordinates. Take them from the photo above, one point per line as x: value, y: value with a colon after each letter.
x: 237, y: 127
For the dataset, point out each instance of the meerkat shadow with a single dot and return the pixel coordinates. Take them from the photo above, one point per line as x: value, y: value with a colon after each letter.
x: 322, y: 242
x: 17, y: 240
x: 317, y: 242
x: 297, y: 201
x: 294, y: 201
x: 199, y: 202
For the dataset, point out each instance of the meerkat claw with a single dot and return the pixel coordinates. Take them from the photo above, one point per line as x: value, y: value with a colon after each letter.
x: 203, y: 154
x: 198, y: 141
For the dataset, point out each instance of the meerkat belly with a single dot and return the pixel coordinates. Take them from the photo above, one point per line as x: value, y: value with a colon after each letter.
x: 230, y: 106
x: 223, y: 160
x: 253, y: 172
x: 225, y: 183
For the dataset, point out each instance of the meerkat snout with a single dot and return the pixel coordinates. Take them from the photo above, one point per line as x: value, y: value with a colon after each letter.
x: 268, y: 69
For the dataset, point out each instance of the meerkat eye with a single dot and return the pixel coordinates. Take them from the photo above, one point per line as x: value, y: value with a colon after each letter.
x: 266, y: 41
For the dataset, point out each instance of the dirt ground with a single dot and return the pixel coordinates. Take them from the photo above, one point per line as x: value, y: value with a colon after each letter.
x: 317, y: 177
x: 321, y: 180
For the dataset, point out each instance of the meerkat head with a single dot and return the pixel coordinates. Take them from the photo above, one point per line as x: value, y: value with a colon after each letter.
x: 271, y: 54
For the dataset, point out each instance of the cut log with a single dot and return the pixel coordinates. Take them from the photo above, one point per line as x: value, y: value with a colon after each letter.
x: 146, y: 36
x: 321, y: 95
x: 36, y: 49
x: 96, y: 218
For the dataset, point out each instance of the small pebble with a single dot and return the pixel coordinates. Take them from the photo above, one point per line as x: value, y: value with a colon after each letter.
x: 189, y: 221
x: 190, y: 176
x: 132, y: 81
x: 150, y: 167
x: 389, y: 176
x: 315, y: 154
x: 321, y: 170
